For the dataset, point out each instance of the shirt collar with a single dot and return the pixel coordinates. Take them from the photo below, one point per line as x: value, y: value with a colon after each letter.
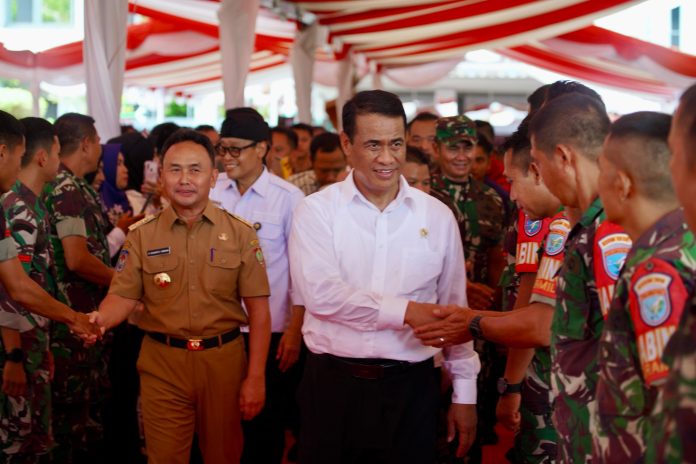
x: 588, y: 217
x: 666, y: 227
x: 349, y: 192
x: 211, y: 213
x: 260, y: 185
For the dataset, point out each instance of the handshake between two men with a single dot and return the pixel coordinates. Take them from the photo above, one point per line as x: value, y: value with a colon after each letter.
x: 440, y: 326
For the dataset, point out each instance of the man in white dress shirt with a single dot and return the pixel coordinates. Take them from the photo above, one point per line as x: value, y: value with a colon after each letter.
x: 248, y: 190
x: 372, y: 258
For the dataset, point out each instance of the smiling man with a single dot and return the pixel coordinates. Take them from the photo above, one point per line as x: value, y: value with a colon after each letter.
x: 247, y: 189
x: 371, y: 257
x: 192, y: 265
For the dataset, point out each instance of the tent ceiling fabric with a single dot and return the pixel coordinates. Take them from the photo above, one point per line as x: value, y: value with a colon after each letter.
x: 179, y: 45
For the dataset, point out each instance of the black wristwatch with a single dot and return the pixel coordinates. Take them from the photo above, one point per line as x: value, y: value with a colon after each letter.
x: 504, y: 387
x: 16, y: 355
x: 475, y: 328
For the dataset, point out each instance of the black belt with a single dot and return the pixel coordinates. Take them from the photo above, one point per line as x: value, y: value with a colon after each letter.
x: 373, y: 369
x: 195, y: 344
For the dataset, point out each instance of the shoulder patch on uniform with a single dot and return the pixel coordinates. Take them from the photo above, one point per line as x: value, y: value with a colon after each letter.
x: 558, y: 233
x: 122, y: 258
x: 531, y: 228
x: 614, y: 249
x: 656, y: 285
x: 143, y: 221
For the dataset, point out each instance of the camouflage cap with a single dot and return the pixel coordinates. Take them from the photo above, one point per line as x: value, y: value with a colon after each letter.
x: 456, y: 128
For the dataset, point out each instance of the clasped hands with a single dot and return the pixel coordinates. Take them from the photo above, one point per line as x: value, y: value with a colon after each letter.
x: 440, y: 326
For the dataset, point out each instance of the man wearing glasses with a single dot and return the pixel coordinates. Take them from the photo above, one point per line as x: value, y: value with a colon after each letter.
x: 247, y: 189
x: 481, y: 217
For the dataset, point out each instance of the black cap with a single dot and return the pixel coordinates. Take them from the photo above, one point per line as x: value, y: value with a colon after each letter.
x: 245, y: 123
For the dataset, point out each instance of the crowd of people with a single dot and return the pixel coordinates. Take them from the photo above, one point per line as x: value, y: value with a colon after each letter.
x: 386, y: 294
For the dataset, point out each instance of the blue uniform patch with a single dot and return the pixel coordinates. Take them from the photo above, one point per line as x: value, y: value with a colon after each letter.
x: 531, y: 228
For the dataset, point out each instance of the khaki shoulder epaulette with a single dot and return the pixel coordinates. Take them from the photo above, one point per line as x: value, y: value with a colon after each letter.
x: 239, y: 218
x: 143, y: 221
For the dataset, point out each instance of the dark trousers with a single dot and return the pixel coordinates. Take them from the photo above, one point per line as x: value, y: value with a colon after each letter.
x: 347, y: 419
x: 264, y: 436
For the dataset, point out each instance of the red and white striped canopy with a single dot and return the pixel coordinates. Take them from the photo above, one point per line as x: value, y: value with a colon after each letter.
x: 179, y: 46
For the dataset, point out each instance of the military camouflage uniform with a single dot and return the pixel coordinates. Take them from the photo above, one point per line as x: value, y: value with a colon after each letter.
x: 575, y: 331
x: 75, y: 210
x: 509, y: 278
x: 25, y: 421
x: 646, y: 309
x: 481, y: 221
x: 673, y: 421
x: 536, y: 440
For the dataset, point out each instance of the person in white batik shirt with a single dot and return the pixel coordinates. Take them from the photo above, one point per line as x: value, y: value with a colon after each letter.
x: 372, y: 258
x: 267, y: 202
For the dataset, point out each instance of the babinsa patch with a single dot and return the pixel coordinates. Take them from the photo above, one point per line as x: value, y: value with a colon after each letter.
x: 614, y: 249
x: 652, y: 292
x: 558, y: 233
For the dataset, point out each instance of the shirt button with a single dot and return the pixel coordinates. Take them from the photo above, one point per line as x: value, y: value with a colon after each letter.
x: 191, y: 262
x: 223, y: 260
x: 193, y: 287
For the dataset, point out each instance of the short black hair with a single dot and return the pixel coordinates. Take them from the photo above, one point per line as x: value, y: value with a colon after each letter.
x: 205, y: 127
x: 159, y: 134
x: 574, y: 119
x: 520, y: 148
x: 537, y: 98
x: 687, y: 122
x: 485, y: 129
x: 425, y: 116
x: 326, y: 142
x: 291, y: 135
x: 11, y: 130
x: 416, y: 155
x: 189, y: 135
x: 648, y: 160
x: 560, y: 88
x: 371, y: 102
x: 38, y: 134
x: 486, y: 145
x: 304, y: 127
x: 72, y: 128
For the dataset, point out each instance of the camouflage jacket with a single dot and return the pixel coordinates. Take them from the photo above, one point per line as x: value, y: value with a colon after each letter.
x: 74, y: 209
x: 509, y: 279
x: 575, y: 330
x: 673, y: 420
x: 536, y: 394
x: 648, y: 302
x: 28, y: 226
x: 482, y: 216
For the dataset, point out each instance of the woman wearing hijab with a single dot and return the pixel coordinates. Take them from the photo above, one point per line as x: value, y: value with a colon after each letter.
x: 111, y: 190
x: 143, y: 196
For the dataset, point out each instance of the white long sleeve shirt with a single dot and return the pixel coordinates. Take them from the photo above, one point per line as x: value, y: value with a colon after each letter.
x: 356, y: 268
x: 268, y: 204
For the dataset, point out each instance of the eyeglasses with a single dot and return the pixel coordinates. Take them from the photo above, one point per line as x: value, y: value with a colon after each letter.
x: 234, y: 152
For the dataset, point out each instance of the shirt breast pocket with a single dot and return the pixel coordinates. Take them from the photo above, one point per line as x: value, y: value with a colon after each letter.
x: 162, y: 276
x: 420, y: 271
x: 222, y: 272
x: 269, y: 229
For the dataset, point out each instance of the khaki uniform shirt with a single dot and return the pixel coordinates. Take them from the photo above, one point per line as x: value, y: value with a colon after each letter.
x: 191, y: 280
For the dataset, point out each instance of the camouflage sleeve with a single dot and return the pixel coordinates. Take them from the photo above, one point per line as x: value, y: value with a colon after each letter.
x: 8, y: 250
x: 657, y: 297
x: 24, y: 231
x: 68, y: 205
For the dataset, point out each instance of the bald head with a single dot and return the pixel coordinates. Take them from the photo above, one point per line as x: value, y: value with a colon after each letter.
x: 575, y: 120
x: 637, y: 144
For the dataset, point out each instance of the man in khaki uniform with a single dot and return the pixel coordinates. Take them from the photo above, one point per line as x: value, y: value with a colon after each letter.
x: 191, y: 266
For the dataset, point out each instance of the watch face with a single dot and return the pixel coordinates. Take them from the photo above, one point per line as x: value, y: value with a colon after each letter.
x: 502, y: 385
x: 16, y: 355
